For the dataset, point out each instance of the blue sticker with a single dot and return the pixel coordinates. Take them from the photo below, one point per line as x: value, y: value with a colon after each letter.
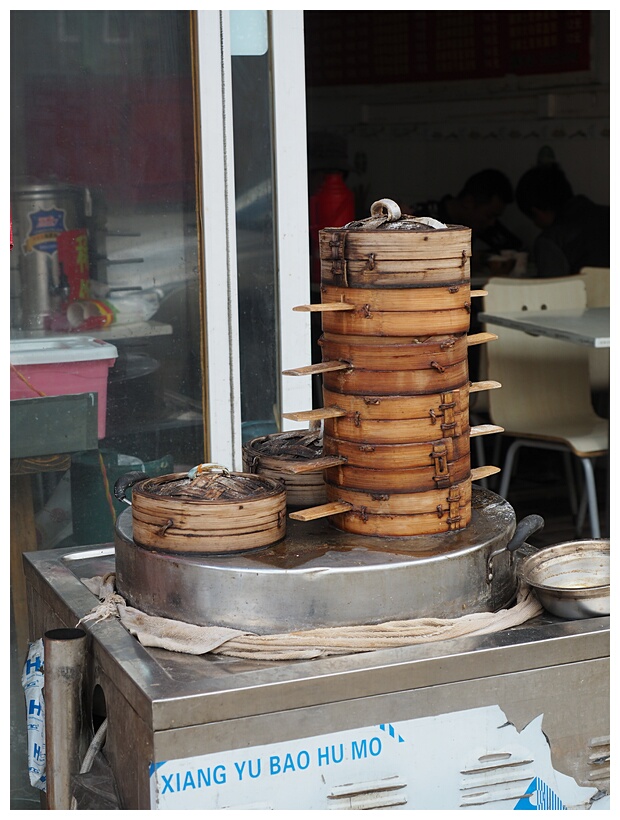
x: 45, y: 225
x: 544, y: 798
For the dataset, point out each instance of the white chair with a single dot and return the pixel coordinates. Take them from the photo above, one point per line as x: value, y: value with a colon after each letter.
x: 545, y: 400
x: 597, y: 295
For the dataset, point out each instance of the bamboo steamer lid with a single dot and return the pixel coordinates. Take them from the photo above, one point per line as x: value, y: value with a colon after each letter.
x: 392, y: 250
x: 208, y: 510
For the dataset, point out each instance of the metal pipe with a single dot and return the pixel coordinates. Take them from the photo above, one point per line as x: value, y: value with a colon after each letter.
x: 64, y: 665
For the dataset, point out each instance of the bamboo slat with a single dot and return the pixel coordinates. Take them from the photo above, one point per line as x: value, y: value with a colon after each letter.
x: 324, y: 307
x: 476, y: 387
x: 315, y: 415
x: 318, y: 464
x: 481, y: 338
x: 485, y: 429
x: 322, y: 511
x: 478, y: 473
x: 312, y: 369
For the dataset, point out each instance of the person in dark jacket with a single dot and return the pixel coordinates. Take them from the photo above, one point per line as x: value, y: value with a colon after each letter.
x: 574, y: 230
x: 481, y: 201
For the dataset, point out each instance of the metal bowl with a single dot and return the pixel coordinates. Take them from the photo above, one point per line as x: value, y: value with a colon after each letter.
x: 571, y: 579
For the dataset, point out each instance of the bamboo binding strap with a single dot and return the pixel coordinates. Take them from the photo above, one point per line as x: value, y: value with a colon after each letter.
x: 177, y: 636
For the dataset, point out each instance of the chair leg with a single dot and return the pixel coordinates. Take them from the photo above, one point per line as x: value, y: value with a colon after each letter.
x: 588, y: 471
x: 507, y: 467
x: 570, y: 479
x: 581, y: 517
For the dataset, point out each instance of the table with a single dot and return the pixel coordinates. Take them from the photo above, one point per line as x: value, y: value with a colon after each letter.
x: 115, y: 331
x: 587, y: 327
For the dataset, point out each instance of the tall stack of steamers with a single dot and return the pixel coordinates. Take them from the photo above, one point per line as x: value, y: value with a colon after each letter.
x: 395, y: 308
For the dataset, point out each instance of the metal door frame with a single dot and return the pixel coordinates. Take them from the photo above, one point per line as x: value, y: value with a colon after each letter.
x: 215, y: 144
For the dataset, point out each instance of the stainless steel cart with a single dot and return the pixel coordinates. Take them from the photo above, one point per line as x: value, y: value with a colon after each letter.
x: 518, y: 719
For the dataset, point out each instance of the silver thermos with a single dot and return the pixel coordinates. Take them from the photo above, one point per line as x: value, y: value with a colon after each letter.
x: 40, y: 212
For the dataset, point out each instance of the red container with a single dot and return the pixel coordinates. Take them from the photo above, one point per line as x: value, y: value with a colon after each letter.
x: 62, y: 366
x: 332, y: 206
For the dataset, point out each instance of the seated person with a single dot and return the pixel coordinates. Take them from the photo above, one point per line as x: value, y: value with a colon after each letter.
x: 574, y: 230
x: 478, y: 206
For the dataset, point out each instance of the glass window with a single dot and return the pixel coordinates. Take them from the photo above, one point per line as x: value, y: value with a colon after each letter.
x: 103, y: 208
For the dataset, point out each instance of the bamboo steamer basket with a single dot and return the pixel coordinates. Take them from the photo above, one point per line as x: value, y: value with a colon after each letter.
x: 394, y: 353
x: 410, y: 300
x: 393, y: 503
x: 400, y: 382
x: 381, y: 407
x: 397, y: 431
x: 365, y: 322
x: 293, y: 447
x: 396, y: 456
x: 207, y: 510
x: 417, y: 479
x: 431, y: 523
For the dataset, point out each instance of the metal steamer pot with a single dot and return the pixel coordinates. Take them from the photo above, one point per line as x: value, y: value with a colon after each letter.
x: 318, y: 576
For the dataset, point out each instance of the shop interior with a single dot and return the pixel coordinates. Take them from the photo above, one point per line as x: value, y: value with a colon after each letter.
x: 400, y: 104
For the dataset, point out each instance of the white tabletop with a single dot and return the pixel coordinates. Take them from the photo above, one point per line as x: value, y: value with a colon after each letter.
x: 587, y: 327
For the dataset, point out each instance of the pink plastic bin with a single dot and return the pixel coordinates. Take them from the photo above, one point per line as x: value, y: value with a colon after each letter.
x: 61, y: 366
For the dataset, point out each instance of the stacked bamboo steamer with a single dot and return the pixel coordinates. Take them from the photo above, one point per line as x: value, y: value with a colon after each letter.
x: 395, y: 308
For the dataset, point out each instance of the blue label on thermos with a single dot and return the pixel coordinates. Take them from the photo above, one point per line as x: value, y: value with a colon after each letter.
x: 45, y: 225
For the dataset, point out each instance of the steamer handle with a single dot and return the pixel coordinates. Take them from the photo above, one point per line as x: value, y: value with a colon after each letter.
x: 125, y: 482
x: 386, y: 206
x: 526, y: 527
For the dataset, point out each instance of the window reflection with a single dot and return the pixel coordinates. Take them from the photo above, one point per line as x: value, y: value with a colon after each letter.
x: 258, y: 336
x: 104, y: 222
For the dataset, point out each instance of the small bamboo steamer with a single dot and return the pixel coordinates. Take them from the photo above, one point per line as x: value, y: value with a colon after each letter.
x: 303, y: 489
x: 176, y: 523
